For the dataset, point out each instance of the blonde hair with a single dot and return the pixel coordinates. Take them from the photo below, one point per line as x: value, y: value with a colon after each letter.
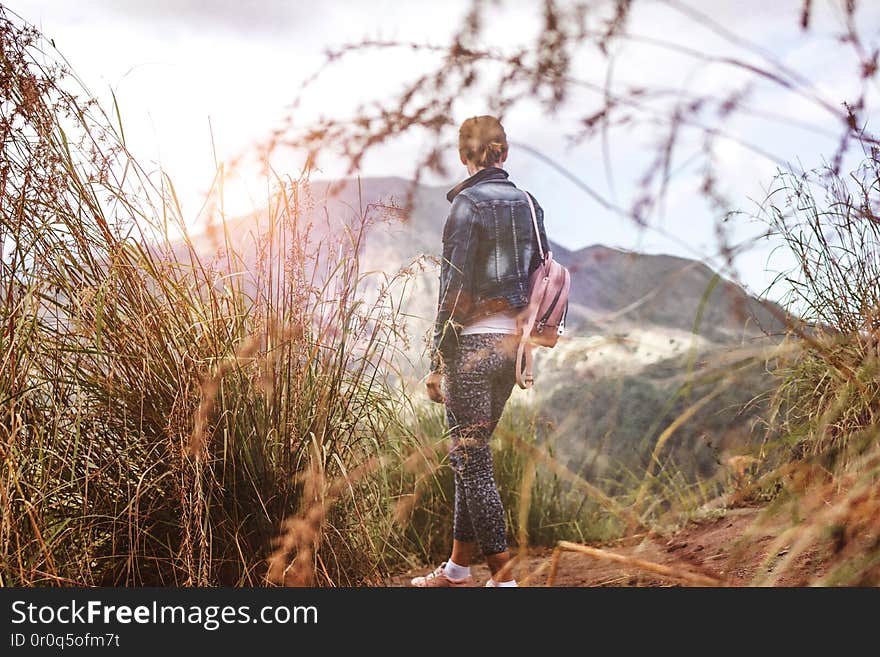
x: 482, y: 141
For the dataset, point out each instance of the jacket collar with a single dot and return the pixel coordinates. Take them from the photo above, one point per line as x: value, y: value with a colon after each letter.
x: 489, y: 173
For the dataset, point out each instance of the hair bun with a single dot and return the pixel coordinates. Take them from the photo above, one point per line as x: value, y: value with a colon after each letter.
x: 482, y: 141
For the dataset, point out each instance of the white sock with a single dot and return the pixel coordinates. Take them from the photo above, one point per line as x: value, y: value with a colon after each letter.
x: 454, y: 571
x: 503, y: 584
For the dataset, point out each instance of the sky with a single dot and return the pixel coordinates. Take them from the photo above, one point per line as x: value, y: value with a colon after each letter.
x: 203, y: 79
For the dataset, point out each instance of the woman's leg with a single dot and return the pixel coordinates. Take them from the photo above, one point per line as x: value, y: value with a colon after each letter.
x: 477, y: 487
x: 464, y: 539
x: 471, y: 414
x: 502, y: 385
x: 463, y: 552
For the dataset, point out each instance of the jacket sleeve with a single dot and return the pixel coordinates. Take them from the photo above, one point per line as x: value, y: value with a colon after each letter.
x: 456, y: 278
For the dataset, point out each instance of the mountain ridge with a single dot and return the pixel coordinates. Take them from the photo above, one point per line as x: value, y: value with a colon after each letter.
x: 641, y: 328
x: 608, y: 279
x: 611, y: 286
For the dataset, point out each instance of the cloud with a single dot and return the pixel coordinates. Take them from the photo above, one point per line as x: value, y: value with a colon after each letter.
x: 252, y: 17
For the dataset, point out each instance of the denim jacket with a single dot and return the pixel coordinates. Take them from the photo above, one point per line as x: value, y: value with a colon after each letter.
x: 489, y: 251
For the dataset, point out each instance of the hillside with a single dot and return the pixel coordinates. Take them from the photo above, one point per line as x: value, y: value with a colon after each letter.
x: 733, y: 549
x: 643, y: 328
x: 610, y: 287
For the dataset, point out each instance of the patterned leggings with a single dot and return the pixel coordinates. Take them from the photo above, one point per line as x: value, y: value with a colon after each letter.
x: 479, y: 380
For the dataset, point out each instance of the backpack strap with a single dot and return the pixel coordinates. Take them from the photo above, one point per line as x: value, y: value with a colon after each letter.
x: 524, y: 376
x: 535, y: 224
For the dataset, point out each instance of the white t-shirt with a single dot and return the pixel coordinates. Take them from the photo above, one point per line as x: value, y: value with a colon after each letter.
x: 500, y: 322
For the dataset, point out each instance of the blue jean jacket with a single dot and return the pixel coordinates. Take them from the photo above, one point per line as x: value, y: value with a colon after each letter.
x: 489, y: 251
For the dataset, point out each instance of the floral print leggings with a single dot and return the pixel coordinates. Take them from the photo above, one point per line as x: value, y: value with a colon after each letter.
x: 478, y: 379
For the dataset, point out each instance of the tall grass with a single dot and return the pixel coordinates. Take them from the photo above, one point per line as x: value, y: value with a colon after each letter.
x: 823, y: 451
x: 172, y: 419
x: 154, y: 409
x: 829, y: 391
x: 168, y: 419
x: 543, y: 499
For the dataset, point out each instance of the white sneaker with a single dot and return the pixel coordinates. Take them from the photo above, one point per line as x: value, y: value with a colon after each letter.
x: 438, y: 578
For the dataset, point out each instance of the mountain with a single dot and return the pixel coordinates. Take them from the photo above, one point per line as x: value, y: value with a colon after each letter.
x: 611, y: 288
x: 611, y: 284
x: 645, y: 332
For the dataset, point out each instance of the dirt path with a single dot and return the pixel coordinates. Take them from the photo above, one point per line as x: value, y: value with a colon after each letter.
x: 730, y: 548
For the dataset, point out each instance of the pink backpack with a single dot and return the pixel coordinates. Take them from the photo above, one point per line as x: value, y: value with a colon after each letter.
x: 542, y: 321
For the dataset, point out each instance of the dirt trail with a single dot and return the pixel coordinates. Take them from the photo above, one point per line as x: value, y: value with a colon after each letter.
x: 730, y: 548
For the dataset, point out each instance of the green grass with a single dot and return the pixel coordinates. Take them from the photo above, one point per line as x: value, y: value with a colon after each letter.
x: 156, y: 413
x: 821, y: 459
x: 163, y: 422
x: 542, y: 504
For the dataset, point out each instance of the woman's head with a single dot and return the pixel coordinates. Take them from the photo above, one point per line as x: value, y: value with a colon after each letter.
x: 482, y: 142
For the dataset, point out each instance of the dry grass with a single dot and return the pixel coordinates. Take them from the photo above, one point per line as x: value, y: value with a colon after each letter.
x: 154, y: 411
x: 164, y: 422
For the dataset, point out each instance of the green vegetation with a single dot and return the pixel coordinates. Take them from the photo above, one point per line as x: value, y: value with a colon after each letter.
x: 168, y: 420
x: 165, y: 423
x: 620, y: 418
x: 821, y: 462
x: 155, y: 413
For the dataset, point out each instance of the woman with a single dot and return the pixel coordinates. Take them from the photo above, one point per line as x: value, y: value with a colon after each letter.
x: 489, y: 250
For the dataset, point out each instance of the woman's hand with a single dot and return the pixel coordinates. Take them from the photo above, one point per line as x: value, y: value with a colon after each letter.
x: 432, y: 384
